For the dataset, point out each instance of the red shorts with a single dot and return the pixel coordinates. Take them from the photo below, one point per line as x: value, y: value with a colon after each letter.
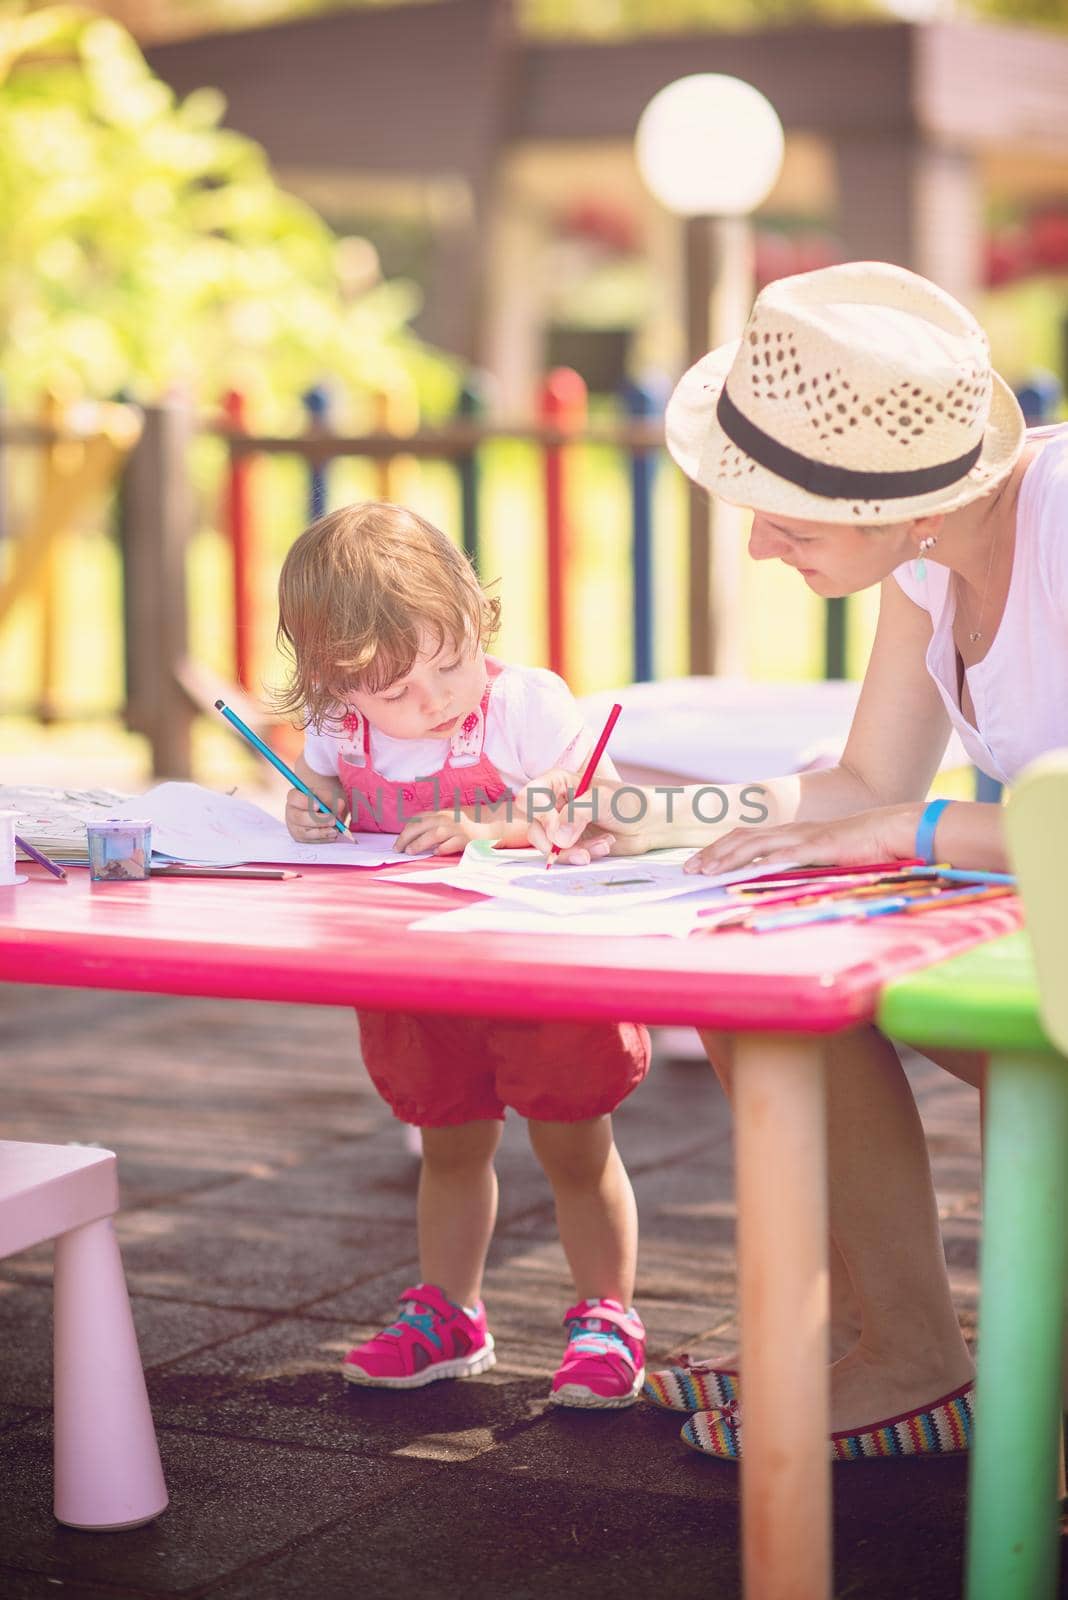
x: 437, y: 1071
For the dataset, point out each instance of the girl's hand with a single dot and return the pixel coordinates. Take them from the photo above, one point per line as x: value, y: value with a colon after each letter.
x: 594, y: 829
x: 885, y: 834
x: 306, y: 823
x: 540, y: 798
x: 442, y: 832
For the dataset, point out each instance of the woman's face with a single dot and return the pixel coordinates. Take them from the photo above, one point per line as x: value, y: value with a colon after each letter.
x: 833, y: 559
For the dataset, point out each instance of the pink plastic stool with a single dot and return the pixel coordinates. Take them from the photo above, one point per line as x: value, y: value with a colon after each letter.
x: 107, y: 1467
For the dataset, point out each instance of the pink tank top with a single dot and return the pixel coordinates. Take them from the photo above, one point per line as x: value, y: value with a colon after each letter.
x: 468, y: 778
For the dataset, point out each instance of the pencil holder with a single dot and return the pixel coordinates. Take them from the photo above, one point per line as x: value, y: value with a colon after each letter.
x: 120, y: 849
x: 8, y: 875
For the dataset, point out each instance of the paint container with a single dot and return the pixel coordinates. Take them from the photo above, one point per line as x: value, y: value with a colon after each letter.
x: 8, y: 875
x: 120, y: 849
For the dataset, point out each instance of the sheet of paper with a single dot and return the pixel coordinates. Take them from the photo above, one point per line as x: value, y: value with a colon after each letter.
x: 54, y: 819
x: 484, y: 859
x: 623, y: 882
x: 673, y: 918
x: 190, y: 823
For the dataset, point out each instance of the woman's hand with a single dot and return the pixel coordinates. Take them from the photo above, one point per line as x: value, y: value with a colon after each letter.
x: 306, y: 823
x: 885, y: 834
x: 595, y: 830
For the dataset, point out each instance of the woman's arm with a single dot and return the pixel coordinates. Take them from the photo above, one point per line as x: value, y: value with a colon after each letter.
x: 898, y: 734
x: 892, y: 753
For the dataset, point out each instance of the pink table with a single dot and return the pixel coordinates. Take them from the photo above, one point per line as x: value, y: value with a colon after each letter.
x: 339, y: 937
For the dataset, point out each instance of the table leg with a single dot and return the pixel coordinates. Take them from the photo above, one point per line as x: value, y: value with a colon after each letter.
x: 780, y: 1135
x: 1012, y: 1510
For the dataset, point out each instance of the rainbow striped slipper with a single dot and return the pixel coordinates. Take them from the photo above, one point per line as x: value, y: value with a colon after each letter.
x: 691, y: 1386
x: 944, y: 1428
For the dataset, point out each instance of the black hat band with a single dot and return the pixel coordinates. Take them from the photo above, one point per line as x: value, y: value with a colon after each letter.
x: 836, y: 483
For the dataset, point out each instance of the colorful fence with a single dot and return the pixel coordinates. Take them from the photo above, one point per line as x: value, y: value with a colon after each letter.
x: 163, y: 496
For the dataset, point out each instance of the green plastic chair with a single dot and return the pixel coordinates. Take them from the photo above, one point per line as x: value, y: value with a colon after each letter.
x: 1010, y: 998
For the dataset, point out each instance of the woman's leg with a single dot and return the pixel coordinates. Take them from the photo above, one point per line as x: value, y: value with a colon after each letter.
x: 595, y: 1209
x: 884, y: 1222
x: 845, y: 1310
x: 457, y: 1207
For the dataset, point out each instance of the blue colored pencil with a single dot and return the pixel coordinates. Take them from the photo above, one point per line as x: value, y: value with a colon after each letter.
x: 279, y: 765
x: 865, y: 910
x: 959, y: 875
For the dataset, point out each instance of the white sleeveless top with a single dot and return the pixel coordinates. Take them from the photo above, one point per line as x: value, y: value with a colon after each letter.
x: 533, y: 723
x: 1020, y: 688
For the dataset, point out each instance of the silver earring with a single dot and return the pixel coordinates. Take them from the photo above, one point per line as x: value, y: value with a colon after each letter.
x: 925, y: 545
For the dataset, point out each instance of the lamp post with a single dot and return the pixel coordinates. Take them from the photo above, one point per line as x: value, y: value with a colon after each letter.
x: 710, y: 149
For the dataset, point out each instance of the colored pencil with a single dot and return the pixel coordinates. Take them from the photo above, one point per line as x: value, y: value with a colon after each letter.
x: 880, y: 889
x: 774, y: 887
x: 41, y: 859
x: 847, y: 911
x: 963, y: 875
x: 590, y: 768
x: 959, y: 897
x: 180, y: 871
x: 279, y: 765
x: 789, y: 874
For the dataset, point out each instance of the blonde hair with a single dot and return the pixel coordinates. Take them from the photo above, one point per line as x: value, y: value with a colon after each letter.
x: 356, y: 594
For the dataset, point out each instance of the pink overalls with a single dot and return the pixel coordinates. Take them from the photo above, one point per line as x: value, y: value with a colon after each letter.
x: 437, y: 1071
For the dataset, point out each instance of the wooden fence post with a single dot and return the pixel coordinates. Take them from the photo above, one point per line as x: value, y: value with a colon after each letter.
x: 157, y: 522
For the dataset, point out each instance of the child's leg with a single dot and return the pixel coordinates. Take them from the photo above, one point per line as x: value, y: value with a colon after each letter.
x: 457, y: 1206
x: 604, y: 1363
x: 595, y: 1209
x: 441, y: 1331
x: 434, y: 1073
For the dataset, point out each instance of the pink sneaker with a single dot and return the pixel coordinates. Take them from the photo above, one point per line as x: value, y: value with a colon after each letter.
x: 431, y: 1339
x: 604, y: 1363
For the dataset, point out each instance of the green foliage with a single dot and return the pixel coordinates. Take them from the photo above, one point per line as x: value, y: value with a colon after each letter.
x: 144, y: 247
x: 618, y: 19
x: 1049, y: 13
x: 611, y: 19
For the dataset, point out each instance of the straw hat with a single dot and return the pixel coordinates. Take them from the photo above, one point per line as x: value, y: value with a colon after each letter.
x: 858, y: 393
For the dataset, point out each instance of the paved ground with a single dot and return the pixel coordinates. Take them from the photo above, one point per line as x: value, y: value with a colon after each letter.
x: 267, y: 1213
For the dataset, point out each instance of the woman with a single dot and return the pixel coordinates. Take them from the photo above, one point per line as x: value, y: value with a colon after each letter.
x: 859, y: 419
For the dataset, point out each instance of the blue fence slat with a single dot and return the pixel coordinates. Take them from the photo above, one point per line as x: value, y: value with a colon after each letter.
x: 642, y: 401
x: 317, y: 410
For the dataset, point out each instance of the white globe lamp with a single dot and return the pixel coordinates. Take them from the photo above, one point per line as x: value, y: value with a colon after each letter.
x: 710, y: 149
x: 709, y: 145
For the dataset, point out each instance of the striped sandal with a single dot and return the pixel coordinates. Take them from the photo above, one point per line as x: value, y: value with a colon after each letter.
x: 944, y: 1428
x: 691, y: 1386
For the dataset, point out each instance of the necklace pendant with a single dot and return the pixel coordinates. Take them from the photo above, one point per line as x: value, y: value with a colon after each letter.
x: 975, y: 637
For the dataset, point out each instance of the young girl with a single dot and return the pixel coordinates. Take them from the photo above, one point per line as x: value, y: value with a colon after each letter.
x: 412, y: 729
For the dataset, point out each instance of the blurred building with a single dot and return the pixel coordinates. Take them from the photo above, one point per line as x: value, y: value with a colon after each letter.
x: 498, y: 170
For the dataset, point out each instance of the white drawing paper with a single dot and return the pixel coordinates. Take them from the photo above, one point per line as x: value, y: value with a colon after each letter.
x: 193, y: 824
x: 623, y: 881
x: 670, y: 918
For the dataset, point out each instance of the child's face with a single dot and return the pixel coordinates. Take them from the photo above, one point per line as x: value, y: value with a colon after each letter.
x: 432, y: 700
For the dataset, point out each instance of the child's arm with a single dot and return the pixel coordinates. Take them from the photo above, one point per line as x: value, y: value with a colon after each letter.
x: 448, y: 833
x: 305, y: 823
x: 507, y: 822
x: 553, y: 731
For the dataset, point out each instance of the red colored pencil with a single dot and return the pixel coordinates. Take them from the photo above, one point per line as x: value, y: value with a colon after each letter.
x: 789, y: 874
x: 590, y: 768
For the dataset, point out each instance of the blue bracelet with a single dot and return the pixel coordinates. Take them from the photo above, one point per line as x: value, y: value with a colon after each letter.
x: 925, y: 830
